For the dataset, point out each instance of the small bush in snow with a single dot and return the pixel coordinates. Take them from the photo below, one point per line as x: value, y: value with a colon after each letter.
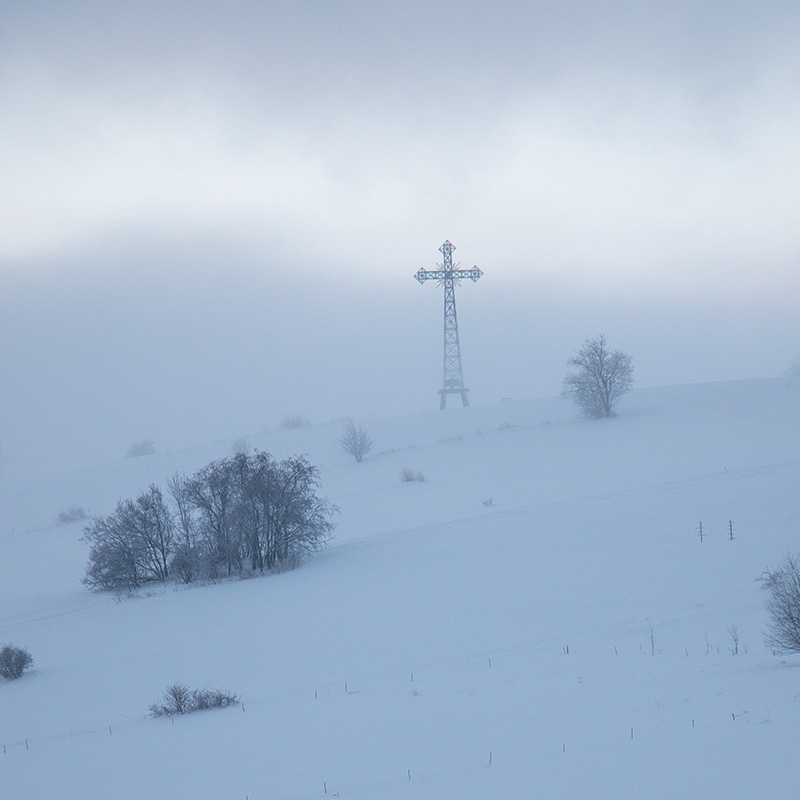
x: 507, y: 426
x: 177, y: 698
x: 14, y: 661
x: 783, y: 604
x: 180, y: 699
x: 355, y: 441
x: 295, y: 422
x: 212, y: 698
x: 74, y: 514
x: 407, y: 475
x: 144, y: 448
x: 736, y: 640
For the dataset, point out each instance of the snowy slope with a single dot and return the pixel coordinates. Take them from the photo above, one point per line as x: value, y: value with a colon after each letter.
x: 501, y: 611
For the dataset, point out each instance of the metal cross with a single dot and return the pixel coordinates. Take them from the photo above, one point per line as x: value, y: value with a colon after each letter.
x: 449, y: 275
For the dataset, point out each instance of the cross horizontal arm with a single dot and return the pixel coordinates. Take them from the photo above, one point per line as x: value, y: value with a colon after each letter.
x: 440, y: 274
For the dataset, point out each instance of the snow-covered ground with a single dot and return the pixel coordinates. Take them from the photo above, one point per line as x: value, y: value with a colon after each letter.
x: 538, y: 618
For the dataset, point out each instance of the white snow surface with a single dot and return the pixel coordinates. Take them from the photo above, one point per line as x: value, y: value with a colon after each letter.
x: 485, y: 633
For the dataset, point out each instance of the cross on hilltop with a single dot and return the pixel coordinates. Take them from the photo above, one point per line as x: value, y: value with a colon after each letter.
x: 449, y: 275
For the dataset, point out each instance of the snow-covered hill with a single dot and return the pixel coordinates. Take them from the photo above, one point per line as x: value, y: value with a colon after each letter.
x: 538, y: 618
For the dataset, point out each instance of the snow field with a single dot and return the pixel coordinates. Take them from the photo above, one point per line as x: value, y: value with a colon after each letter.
x: 526, y: 624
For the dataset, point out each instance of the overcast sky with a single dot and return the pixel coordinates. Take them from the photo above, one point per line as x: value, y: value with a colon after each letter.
x: 211, y: 212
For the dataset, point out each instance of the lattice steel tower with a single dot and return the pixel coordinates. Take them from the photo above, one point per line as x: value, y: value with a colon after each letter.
x: 449, y: 276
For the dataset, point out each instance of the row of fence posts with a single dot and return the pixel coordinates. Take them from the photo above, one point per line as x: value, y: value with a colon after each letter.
x: 730, y: 531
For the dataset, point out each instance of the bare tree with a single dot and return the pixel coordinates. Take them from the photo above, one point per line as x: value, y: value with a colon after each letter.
x: 602, y: 377
x: 355, y: 440
x: 783, y: 605
x: 154, y: 525
x: 114, y: 555
x: 212, y: 491
x: 280, y: 513
x: 132, y: 546
x: 187, y: 555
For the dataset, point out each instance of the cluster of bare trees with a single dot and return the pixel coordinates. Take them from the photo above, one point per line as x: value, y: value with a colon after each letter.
x: 238, y: 515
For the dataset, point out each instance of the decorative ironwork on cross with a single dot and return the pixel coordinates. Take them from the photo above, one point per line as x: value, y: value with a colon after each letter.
x: 449, y: 275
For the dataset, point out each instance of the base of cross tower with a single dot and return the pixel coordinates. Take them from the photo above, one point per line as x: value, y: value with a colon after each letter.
x: 444, y: 392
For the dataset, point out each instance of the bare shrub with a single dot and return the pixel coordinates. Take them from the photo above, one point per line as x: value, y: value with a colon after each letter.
x: 355, y: 441
x: 144, y: 448
x: 180, y: 699
x: 73, y: 514
x: 203, y: 699
x: 508, y: 426
x: 783, y: 604
x: 295, y: 422
x: 736, y: 640
x: 287, y: 563
x: 14, y: 661
x: 407, y: 475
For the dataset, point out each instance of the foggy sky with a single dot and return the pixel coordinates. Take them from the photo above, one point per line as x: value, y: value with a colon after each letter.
x: 211, y: 212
